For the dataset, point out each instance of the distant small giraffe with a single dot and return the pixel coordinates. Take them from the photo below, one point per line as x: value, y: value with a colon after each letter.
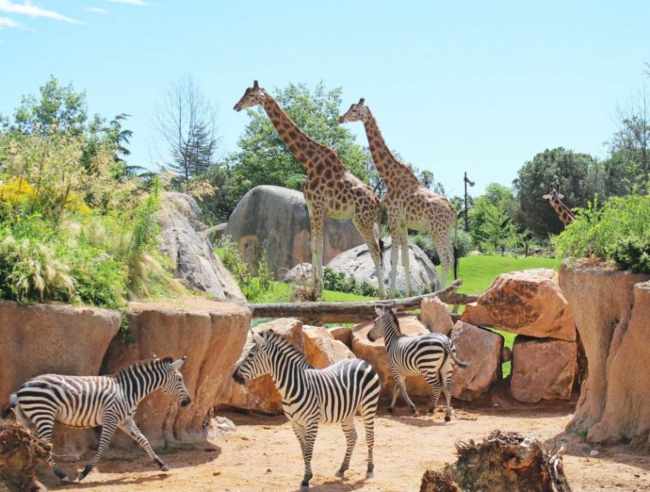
x: 409, y: 204
x: 330, y: 189
x: 563, y: 212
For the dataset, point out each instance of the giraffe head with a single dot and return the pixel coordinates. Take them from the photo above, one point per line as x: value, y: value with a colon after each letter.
x: 553, y: 196
x: 357, y: 112
x: 252, y: 97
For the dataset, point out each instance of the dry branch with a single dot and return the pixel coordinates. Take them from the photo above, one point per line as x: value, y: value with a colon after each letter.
x: 351, y: 312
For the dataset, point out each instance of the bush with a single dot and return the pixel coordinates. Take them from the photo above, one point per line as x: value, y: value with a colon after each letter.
x: 617, y: 231
x: 253, y: 286
x: 339, y: 282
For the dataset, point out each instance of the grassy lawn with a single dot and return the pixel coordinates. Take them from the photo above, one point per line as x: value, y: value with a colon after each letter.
x: 478, y: 272
x: 281, y: 292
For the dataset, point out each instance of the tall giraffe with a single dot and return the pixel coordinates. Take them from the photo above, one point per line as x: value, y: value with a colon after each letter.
x: 563, y: 212
x: 330, y: 189
x: 409, y: 204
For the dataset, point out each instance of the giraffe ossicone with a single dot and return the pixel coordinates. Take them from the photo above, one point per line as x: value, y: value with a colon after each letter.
x: 330, y: 189
x: 408, y: 203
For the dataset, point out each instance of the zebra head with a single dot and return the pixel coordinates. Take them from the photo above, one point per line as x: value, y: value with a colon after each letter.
x: 385, y: 317
x: 256, y: 362
x: 174, y: 384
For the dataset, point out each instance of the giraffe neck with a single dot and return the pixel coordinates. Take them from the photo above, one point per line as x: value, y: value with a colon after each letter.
x: 395, y: 174
x: 564, y: 214
x: 300, y: 145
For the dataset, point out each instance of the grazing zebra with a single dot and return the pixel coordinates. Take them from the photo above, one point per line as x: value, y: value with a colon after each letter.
x: 432, y: 355
x: 310, y: 396
x: 91, y: 401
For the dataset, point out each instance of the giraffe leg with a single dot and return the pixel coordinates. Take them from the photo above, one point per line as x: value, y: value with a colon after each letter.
x: 393, y: 226
x: 368, y: 235
x: 350, y: 440
x: 404, y: 251
x: 317, y: 220
x: 445, y: 251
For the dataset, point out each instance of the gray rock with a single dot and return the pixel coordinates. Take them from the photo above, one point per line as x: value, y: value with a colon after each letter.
x: 190, y: 251
x: 357, y: 263
x: 274, y: 220
x: 300, y: 274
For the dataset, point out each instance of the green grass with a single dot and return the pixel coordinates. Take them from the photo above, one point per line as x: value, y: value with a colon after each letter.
x: 281, y: 292
x: 478, y: 272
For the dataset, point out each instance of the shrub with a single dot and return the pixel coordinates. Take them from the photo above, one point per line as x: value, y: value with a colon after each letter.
x: 253, y: 286
x: 617, y: 231
x: 339, y: 282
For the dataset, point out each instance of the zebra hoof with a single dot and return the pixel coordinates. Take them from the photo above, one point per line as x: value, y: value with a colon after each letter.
x: 447, y: 418
x: 340, y: 473
x: 370, y: 472
x: 164, y: 468
x: 84, y: 472
x: 304, y: 487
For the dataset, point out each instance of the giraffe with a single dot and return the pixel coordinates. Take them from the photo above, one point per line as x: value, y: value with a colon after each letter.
x: 408, y: 203
x: 330, y: 189
x: 563, y: 212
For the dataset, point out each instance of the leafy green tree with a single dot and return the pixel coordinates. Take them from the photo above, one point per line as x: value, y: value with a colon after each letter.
x: 264, y: 159
x: 496, y: 232
x: 558, y: 168
x: 498, y: 200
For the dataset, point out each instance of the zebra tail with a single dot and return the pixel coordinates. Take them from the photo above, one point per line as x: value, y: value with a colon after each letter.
x: 13, y: 401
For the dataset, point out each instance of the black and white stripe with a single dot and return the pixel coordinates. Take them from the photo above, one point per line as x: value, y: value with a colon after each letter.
x: 311, y: 396
x: 91, y: 401
x: 432, y: 355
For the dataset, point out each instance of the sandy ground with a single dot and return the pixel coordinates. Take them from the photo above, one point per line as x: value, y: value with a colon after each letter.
x: 263, y: 455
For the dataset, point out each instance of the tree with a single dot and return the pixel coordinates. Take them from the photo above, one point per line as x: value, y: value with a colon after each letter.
x: 186, y: 121
x: 498, y: 201
x: 262, y: 157
x: 558, y: 168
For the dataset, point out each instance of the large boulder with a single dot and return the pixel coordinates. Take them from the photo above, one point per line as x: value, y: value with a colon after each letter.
x: 372, y: 349
x: 529, y: 302
x: 321, y: 349
x: 274, y: 220
x: 51, y: 338
x: 357, y: 263
x: 190, y: 251
x: 211, y: 334
x: 543, y: 369
x: 481, y: 350
x: 612, y: 312
x: 261, y: 394
x: 434, y: 314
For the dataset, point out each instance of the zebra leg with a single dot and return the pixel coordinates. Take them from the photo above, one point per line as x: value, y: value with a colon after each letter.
x: 395, y: 394
x: 405, y: 395
x: 108, y: 429
x: 309, y: 438
x: 446, y: 390
x: 45, y: 431
x: 129, y: 426
x: 434, y: 381
x: 350, y: 440
x: 369, y: 424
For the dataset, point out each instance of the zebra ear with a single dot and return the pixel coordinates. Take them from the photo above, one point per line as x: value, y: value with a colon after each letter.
x: 177, y: 364
x: 379, y: 311
x: 259, y: 340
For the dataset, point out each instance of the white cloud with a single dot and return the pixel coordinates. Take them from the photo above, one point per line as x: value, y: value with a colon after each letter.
x: 97, y: 10
x: 31, y: 10
x: 6, y: 22
x: 139, y: 3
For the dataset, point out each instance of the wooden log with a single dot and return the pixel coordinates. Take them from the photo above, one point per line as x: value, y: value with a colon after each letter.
x: 349, y: 312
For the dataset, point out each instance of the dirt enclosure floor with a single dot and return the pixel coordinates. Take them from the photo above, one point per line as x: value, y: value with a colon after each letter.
x: 264, y: 455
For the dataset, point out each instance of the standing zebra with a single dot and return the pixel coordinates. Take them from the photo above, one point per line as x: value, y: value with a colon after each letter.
x: 91, y: 401
x: 310, y: 396
x: 432, y: 355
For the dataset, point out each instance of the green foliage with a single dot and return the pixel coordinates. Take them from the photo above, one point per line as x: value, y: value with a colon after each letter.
x: 254, y: 285
x: 618, y: 231
x: 339, y: 282
x: 264, y: 159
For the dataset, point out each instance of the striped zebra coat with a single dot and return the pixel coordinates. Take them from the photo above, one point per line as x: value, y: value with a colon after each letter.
x: 91, y: 401
x: 311, y: 396
x: 432, y: 355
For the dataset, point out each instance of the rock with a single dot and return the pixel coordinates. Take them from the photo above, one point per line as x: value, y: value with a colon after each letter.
x: 53, y: 338
x: 261, y: 394
x: 321, y: 349
x: 543, y: 369
x: 529, y: 302
x: 342, y: 334
x: 275, y: 220
x: 434, y: 314
x: 211, y: 334
x: 300, y: 274
x: 481, y: 349
x: 375, y: 353
x: 612, y: 312
x: 190, y: 250
x: 357, y: 263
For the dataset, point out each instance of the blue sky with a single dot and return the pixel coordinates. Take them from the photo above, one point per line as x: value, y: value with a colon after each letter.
x: 455, y: 86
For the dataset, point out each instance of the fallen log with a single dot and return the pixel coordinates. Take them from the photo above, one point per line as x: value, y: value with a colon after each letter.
x: 20, y: 454
x: 351, y: 312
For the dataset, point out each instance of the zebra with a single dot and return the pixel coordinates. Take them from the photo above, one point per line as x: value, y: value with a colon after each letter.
x: 91, y: 401
x: 432, y: 355
x: 310, y: 396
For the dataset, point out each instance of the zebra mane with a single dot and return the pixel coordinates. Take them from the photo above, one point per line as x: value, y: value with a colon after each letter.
x: 143, y: 363
x: 285, y: 347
